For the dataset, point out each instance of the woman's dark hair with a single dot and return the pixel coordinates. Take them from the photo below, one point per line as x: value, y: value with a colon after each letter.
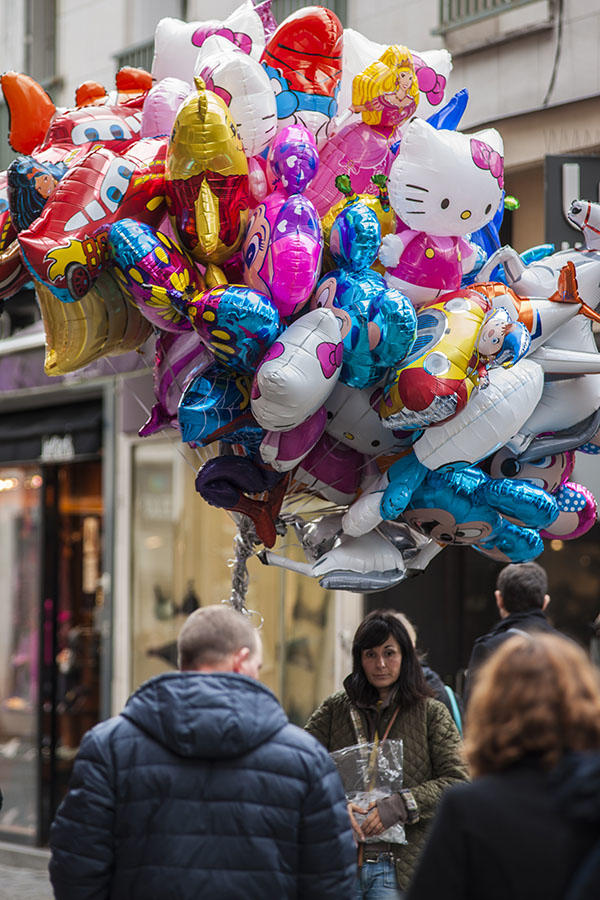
x: 373, y: 631
x: 25, y: 203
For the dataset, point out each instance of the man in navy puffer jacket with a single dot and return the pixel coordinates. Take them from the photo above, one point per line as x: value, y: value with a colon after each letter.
x: 201, y: 788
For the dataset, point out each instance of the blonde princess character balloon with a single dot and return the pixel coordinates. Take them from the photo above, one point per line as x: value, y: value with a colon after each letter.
x: 386, y: 93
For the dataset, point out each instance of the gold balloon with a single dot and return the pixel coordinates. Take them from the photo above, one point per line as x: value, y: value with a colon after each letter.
x: 206, y: 178
x: 103, y: 323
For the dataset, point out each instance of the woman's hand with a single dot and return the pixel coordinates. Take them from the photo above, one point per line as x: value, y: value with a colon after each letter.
x: 353, y: 808
x: 372, y: 826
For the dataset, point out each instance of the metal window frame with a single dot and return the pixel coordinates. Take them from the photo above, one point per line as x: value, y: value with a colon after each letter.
x: 281, y: 9
x: 139, y: 55
x: 455, y: 14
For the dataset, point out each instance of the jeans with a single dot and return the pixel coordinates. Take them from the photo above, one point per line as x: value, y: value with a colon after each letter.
x: 377, y: 881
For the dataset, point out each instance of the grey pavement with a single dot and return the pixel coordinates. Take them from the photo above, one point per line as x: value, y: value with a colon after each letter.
x: 24, y: 884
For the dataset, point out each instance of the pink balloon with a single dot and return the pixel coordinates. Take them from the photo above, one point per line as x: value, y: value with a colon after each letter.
x: 179, y: 358
x: 358, y: 151
x: 332, y: 470
x: 161, y: 105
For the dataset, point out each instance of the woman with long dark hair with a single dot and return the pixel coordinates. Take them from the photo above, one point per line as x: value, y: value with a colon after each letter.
x: 528, y: 826
x: 386, y: 696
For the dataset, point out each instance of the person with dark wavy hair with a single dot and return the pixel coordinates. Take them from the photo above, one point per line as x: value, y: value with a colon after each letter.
x: 30, y: 183
x: 528, y: 825
x: 386, y: 695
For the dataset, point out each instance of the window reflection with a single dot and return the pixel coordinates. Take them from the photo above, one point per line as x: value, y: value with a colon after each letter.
x: 20, y: 516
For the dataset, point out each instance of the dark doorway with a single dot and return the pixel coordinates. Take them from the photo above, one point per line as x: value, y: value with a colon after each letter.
x: 70, y: 638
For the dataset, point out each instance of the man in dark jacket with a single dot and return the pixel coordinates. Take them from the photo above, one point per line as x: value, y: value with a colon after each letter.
x: 202, y: 788
x: 521, y: 597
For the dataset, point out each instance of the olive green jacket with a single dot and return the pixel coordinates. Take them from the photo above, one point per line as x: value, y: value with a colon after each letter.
x: 431, y: 759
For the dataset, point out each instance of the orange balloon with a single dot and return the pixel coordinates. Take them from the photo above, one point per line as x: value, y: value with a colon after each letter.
x: 90, y: 93
x: 31, y: 111
x: 131, y: 82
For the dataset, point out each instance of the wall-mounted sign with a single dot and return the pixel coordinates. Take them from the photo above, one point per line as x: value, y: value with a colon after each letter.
x: 57, y: 448
x: 568, y: 178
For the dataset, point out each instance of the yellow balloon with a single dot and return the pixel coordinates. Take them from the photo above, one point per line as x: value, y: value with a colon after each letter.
x: 387, y: 92
x: 102, y: 323
x: 445, y: 366
x: 207, y: 178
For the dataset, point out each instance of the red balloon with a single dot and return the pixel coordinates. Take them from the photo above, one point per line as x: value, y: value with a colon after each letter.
x: 67, y: 245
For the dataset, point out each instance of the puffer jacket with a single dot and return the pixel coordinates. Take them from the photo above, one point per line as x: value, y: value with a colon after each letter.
x: 201, y: 788
x: 431, y: 760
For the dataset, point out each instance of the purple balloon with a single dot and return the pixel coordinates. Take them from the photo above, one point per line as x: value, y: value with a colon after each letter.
x: 179, y: 358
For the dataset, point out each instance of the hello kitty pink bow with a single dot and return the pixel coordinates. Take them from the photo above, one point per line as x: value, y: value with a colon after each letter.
x: 486, y: 158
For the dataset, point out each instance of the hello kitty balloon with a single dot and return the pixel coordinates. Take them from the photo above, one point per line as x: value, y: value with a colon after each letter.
x: 443, y: 186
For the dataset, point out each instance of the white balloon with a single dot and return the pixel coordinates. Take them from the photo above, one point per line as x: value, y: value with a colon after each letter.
x: 488, y: 421
x: 244, y: 86
x: 298, y: 372
x: 176, y: 43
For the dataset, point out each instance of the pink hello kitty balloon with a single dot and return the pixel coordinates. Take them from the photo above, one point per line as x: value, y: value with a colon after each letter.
x: 443, y: 186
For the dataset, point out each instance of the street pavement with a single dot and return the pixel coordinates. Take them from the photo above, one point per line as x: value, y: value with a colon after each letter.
x: 24, y: 884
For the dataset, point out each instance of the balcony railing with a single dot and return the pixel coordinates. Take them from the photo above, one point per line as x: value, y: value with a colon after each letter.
x: 139, y: 56
x: 458, y: 13
x: 283, y: 8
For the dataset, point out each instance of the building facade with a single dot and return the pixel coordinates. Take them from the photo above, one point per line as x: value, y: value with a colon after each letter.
x: 104, y: 543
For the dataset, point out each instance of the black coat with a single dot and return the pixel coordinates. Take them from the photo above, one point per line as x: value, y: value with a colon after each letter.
x: 529, y: 620
x: 508, y: 836
x: 201, y: 788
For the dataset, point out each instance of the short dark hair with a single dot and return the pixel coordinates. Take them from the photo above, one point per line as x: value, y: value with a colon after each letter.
x: 523, y: 586
x: 211, y: 634
x: 373, y: 631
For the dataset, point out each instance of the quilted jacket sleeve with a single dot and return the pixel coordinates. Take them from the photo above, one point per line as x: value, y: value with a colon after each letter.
x: 447, y: 764
x: 81, y: 836
x: 327, y: 863
x: 319, y: 723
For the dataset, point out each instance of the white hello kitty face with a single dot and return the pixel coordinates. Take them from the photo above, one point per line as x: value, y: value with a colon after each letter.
x: 444, y: 182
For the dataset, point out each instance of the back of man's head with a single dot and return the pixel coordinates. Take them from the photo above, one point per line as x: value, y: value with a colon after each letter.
x: 523, y: 586
x: 213, y: 636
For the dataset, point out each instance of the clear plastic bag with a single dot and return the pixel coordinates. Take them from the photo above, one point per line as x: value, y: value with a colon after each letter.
x: 368, y: 772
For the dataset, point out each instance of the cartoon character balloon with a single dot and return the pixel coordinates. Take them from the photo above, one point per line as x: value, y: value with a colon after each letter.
x: 443, y: 185
x: 386, y: 93
x: 244, y: 86
x: 207, y: 178
x: 66, y: 247
x: 303, y: 59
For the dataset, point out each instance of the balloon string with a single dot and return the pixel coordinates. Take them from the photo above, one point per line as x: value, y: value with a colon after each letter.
x: 244, y: 543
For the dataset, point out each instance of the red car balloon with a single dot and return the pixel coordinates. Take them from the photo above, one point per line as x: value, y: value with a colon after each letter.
x: 66, y: 247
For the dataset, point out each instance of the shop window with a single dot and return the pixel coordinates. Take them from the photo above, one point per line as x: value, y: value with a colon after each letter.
x: 181, y: 555
x: 20, y: 555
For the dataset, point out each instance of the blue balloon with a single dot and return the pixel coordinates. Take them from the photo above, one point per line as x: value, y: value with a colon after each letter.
x: 378, y: 324
x: 449, y: 116
x: 216, y: 406
x: 467, y: 507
